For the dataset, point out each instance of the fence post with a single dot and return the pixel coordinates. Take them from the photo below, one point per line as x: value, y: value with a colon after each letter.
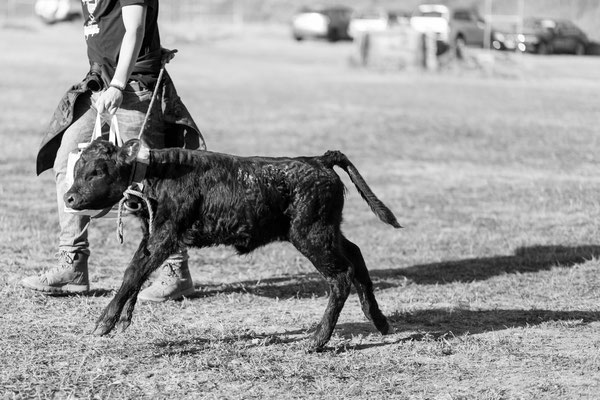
x: 430, y: 56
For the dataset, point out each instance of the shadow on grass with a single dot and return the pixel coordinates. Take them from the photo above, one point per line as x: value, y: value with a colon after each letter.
x: 199, y: 345
x: 435, y: 324
x: 100, y: 292
x: 525, y: 259
x: 438, y: 323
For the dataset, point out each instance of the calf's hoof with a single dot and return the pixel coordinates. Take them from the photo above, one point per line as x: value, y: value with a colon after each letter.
x: 385, y: 329
x: 317, y: 343
x: 102, y: 329
x: 311, y: 347
x: 123, y: 324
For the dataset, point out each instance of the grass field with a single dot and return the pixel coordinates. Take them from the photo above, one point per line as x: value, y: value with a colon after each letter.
x: 492, y: 287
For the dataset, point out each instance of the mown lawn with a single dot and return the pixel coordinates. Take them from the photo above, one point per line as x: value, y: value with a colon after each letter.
x: 492, y: 286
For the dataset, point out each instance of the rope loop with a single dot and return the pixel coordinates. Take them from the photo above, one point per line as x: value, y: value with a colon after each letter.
x: 132, y: 196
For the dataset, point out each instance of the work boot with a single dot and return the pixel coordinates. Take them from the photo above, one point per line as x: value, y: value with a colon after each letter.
x: 70, y: 276
x: 174, y: 281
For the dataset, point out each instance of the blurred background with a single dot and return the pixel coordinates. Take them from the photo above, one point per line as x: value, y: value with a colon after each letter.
x: 385, y: 34
x: 585, y: 13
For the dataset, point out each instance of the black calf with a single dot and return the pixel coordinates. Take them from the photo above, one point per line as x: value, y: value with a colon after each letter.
x: 200, y: 199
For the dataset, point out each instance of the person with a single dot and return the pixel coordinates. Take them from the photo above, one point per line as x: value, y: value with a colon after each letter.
x: 53, y: 11
x: 125, y: 56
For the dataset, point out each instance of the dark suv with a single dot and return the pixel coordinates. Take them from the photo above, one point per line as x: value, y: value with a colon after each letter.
x: 543, y: 36
x: 554, y: 36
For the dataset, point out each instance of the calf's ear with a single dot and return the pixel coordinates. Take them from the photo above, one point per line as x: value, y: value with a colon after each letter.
x: 129, y: 151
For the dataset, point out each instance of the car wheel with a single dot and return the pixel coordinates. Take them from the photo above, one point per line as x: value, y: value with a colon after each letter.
x: 441, y: 47
x: 459, y: 45
x: 543, y: 48
x: 579, y: 49
x: 333, y: 35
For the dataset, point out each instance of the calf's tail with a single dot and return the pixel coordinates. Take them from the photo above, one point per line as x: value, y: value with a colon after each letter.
x: 337, y: 158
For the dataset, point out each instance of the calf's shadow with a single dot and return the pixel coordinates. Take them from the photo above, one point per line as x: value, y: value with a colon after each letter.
x: 525, y: 259
x: 430, y: 324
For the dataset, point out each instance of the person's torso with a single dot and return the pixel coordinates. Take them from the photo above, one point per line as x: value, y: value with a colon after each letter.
x: 104, y: 30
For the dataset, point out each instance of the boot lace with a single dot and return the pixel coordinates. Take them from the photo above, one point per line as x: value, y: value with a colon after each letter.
x: 170, y: 274
x: 65, y: 261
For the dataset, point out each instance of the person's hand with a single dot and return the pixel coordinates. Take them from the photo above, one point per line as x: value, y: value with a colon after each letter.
x: 168, y: 55
x: 109, y: 101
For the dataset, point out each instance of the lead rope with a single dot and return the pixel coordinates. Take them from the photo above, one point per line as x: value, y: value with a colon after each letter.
x: 130, y: 191
x: 158, y: 80
x: 127, y: 196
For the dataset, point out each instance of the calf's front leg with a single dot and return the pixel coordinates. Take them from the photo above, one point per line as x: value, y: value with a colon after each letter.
x: 141, y: 266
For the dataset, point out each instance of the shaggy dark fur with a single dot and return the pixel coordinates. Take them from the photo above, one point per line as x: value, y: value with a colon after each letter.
x: 200, y: 199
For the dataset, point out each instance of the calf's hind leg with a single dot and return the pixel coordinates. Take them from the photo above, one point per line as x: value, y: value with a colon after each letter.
x: 330, y: 262
x: 364, y: 287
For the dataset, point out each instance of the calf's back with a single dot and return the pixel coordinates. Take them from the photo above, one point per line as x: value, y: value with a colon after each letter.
x: 245, y: 202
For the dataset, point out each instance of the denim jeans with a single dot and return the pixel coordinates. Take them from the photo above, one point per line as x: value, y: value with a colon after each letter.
x: 73, y: 235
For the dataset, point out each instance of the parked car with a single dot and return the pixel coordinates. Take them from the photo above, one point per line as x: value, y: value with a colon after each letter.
x: 508, y: 37
x: 454, y: 27
x: 432, y: 18
x: 376, y: 19
x: 329, y: 23
x: 544, y: 36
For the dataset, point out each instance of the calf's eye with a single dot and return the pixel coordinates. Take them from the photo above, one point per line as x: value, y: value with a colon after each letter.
x: 98, y: 172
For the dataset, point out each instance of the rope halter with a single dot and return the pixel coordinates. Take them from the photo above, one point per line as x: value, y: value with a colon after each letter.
x: 131, y: 204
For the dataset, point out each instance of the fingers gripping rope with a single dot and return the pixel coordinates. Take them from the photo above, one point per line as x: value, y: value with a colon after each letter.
x: 132, y: 195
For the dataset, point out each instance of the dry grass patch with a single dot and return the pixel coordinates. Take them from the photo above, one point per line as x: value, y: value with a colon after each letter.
x: 492, y: 287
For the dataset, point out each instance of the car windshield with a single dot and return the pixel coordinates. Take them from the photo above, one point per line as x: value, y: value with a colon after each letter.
x: 434, y: 14
x: 539, y: 24
x: 340, y: 12
x: 432, y: 11
x: 368, y: 16
x: 328, y: 11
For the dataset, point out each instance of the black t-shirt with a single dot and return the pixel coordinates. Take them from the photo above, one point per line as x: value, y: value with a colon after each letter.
x: 104, y: 30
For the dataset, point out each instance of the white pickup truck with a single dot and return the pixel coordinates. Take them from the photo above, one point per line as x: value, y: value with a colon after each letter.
x: 454, y: 27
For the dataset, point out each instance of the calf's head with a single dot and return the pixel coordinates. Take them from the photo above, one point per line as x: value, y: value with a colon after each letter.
x: 101, y: 175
